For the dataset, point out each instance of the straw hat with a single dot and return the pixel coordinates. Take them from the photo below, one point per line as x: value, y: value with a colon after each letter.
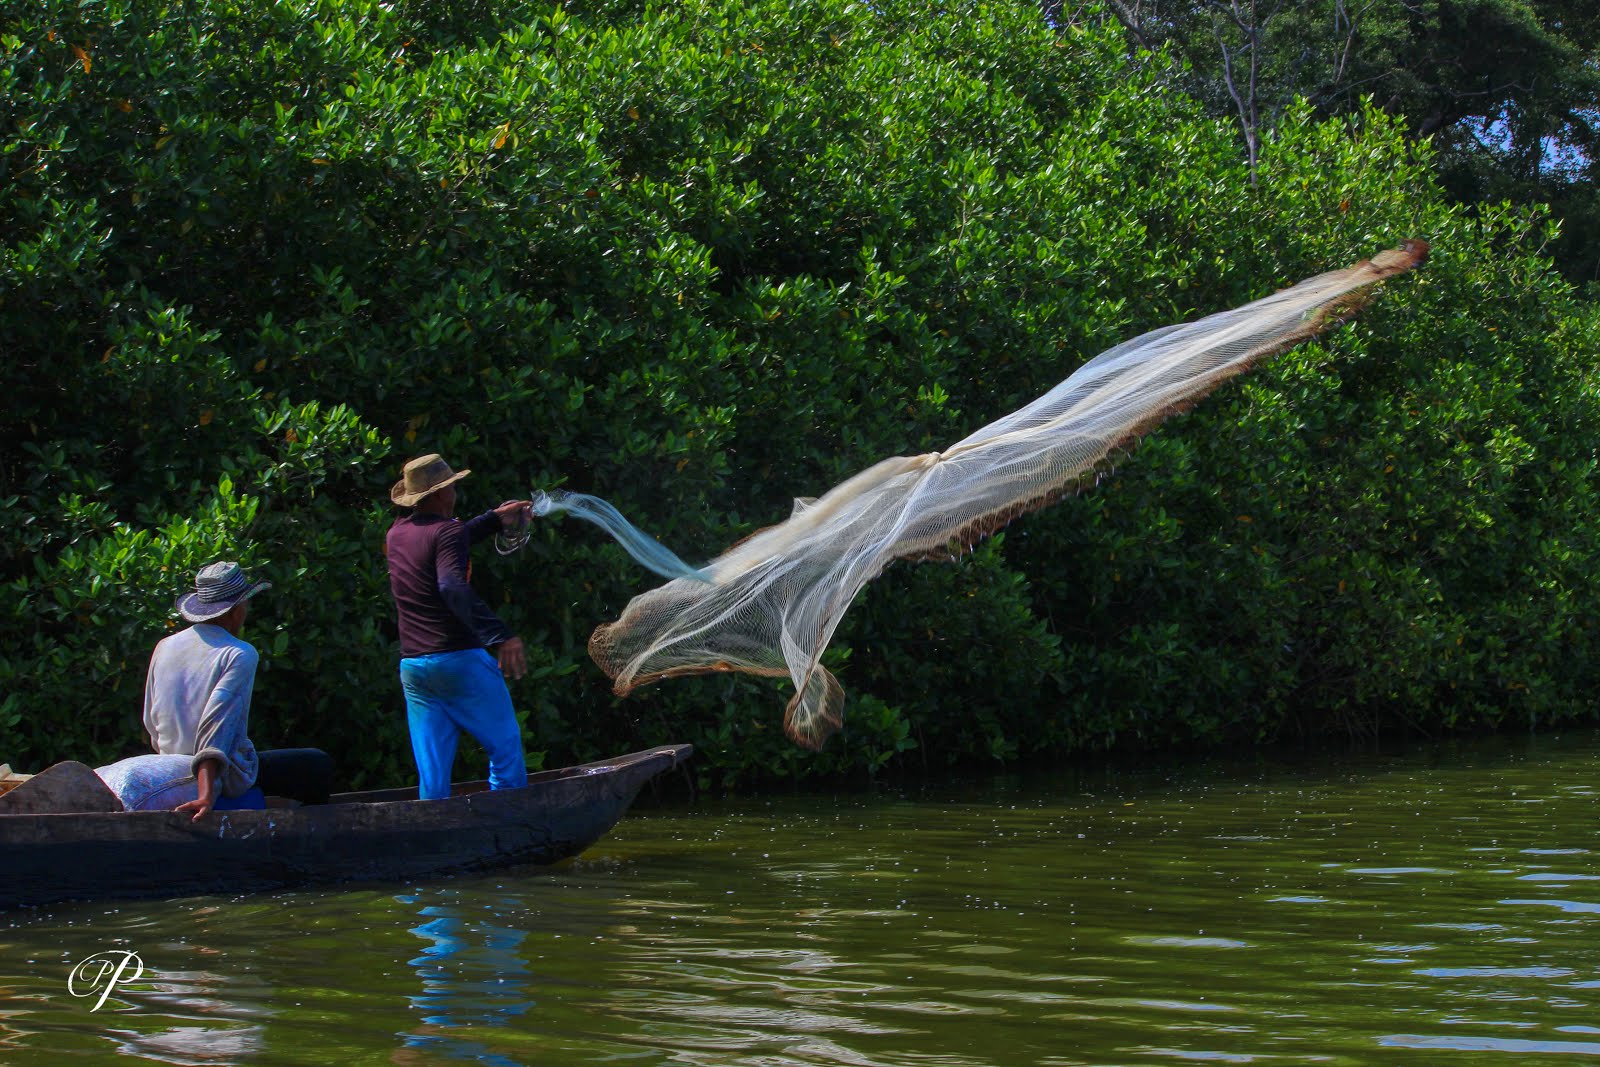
x: 217, y: 588
x: 423, y: 475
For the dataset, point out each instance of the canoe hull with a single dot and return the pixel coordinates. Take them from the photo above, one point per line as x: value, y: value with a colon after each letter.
x: 380, y: 836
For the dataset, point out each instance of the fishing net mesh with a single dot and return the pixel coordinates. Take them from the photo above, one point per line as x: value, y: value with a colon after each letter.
x: 774, y: 599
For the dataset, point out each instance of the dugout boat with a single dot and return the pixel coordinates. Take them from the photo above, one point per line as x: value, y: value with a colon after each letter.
x: 381, y: 835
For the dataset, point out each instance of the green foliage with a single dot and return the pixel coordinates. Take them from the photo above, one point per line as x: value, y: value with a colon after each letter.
x: 698, y: 259
x: 1507, y: 91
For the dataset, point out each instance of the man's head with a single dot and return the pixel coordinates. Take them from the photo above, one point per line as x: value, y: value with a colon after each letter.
x: 426, y: 484
x: 233, y: 619
x: 221, y: 591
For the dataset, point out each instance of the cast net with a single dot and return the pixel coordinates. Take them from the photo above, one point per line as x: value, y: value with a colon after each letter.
x: 773, y: 600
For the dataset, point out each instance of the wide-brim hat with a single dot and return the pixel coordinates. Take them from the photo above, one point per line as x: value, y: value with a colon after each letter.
x: 423, y: 475
x: 217, y: 588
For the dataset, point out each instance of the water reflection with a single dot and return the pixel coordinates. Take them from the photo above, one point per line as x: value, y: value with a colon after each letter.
x: 1335, y: 916
x: 192, y: 1045
x: 189, y: 1017
x: 472, y: 976
x: 1521, y: 1047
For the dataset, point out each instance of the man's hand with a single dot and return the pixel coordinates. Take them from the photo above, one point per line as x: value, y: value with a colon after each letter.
x: 513, y: 661
x: 210, y: 783
x: 514, y: 514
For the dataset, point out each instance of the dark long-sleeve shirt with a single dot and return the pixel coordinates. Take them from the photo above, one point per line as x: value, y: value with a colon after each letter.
x: 438, y: 611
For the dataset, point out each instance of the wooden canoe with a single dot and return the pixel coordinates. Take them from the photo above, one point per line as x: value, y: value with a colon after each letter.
x: 373, y: 836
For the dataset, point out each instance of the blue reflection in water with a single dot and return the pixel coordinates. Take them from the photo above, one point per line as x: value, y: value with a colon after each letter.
x: 472, y: 975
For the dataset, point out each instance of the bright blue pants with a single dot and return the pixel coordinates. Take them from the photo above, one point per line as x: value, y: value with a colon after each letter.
x: 448, y: 692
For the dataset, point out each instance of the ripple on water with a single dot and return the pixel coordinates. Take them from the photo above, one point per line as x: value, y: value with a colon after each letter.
x: 1179, y: 941
x: 1575, y: 907
x: 1460, y: 1043
x: 1202, y: 1056
x: 1243, y: 917
x: 1495, y: 972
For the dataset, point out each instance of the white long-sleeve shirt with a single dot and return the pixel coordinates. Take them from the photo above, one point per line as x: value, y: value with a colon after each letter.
x: 197, y: 701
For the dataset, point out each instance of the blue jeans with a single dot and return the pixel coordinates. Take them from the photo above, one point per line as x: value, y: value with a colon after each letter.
x: 251, y: 799
x: 447, y: 692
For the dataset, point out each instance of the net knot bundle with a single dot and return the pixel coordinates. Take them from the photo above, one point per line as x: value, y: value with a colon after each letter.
x: 769, y: 605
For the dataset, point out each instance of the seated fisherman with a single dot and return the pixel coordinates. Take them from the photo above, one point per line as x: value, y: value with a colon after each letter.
x: 197, y: 703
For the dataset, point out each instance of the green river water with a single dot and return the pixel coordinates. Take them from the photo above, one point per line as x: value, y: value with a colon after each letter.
x: 1436, y: 906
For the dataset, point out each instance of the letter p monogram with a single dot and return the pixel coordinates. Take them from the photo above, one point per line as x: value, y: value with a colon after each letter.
x: 103, y: 972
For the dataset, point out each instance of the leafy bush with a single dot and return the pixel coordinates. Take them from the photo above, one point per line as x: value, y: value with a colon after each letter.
x: 702, y: 258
